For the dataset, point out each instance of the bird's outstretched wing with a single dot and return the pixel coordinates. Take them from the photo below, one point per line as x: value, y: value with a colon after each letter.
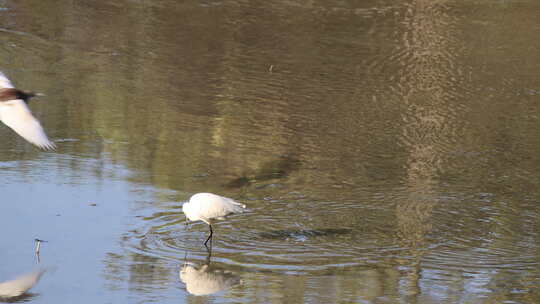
x: 16, y: 115
x: 4, y: 82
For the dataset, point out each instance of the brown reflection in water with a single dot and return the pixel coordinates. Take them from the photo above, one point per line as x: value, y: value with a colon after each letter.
x: 162, y: 87
x: 142, y: 274
x: 426, y: 87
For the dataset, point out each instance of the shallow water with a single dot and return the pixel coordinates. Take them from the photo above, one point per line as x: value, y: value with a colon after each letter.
x: 387, y: 151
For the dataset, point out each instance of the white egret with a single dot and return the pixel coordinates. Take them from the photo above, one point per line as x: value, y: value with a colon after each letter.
x: 20, y: 285
x: 14, y: 112
x: 208, y: 207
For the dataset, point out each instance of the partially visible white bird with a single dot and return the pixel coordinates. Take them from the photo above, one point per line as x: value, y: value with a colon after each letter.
x: 20, y: 285
x: 208, y: 207
x: 14, y: 112
x: 205, y: 280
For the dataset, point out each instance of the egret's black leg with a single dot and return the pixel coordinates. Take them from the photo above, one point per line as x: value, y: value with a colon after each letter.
x: 209, y: 237
x: 209, y: 253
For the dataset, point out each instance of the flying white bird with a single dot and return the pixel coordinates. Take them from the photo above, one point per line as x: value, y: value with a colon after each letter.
x: 208, y: 207
x: 14, y: 112
x: 20, y: 285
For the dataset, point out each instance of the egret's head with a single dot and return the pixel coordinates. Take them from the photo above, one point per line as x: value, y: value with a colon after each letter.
x: 11, y: 94
x: 187, y: 271
x: 26, y: 95
x: 186, y: 209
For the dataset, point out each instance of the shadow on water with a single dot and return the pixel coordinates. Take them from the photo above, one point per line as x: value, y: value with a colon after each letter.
x: 206, y: 278
x: 26, y: 297
x: 304, y: 233
x: 275, y: 169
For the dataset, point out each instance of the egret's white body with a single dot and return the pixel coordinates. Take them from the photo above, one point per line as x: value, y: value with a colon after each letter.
x: 204, y: 280
x: 16, y: 115
x: 20, y: 285
x: 208, y: 207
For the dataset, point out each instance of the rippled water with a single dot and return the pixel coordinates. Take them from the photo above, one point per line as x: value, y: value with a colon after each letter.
x: 387, y: 151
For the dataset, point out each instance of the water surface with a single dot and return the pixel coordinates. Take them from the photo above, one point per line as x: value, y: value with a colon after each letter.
x: 387, y: 151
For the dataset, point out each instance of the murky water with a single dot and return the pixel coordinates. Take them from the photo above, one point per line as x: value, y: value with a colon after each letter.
x: 387, y: 150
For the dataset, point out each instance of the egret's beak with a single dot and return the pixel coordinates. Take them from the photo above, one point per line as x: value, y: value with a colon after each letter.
x: 40, y: 94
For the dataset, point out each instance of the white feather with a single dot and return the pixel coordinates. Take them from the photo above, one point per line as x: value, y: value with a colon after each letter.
x: 207, y: 206
x: 4, y: 82
x: 16, y: 115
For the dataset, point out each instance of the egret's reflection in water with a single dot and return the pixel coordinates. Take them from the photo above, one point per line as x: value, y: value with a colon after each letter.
x: 16, y: 290
x: 206, y: 279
